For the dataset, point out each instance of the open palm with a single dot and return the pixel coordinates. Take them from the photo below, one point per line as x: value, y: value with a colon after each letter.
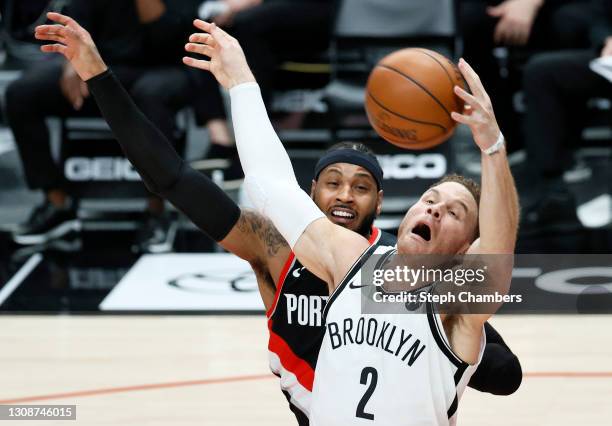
x: 227, y: 62
x: 72, y: 41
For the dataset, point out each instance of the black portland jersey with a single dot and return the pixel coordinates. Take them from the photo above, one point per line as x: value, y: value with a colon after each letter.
x: 295, y: 323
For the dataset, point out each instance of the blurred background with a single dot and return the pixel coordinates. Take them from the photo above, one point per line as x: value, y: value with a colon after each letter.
x: 69, y: 197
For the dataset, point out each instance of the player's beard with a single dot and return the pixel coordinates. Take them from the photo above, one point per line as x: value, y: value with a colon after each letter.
x: 366, y: 226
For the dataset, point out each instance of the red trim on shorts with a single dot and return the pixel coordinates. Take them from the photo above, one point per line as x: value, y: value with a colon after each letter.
x: 290, y: 361
x: 281, y: 281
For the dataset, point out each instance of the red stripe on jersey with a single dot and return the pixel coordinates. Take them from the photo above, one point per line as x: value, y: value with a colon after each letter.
x: 276, y: 344
x: 374, y: 235
x: 283, y: 275
x: 290, y: 361
x: 281, y: 281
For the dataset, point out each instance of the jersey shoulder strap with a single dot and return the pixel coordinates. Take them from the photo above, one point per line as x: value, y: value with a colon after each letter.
x: 353, y: 271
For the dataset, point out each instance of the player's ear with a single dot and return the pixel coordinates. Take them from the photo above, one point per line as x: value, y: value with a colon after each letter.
x: 313, y: 184
x: 379, y: 201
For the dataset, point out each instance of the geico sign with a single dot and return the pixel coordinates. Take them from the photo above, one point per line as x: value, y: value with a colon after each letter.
x: 411, y: 166
x: 80, y: 169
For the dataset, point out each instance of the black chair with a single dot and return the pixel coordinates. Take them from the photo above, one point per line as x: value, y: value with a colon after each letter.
x: 19, y: 18
x: 367, y: 30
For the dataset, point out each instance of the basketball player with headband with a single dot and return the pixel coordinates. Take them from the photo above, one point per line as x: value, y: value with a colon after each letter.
x: 346, y: 187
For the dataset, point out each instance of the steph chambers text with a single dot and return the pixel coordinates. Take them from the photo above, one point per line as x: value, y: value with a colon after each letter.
x: 462, y: 297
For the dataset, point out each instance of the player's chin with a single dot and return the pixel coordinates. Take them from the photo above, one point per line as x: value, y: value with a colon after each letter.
x: 410, y: 245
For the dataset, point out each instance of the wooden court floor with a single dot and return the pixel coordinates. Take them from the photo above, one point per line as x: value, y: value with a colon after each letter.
x: 207, y: 370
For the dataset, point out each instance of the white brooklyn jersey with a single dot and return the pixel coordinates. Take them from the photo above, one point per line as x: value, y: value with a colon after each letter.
x: 391, y: 369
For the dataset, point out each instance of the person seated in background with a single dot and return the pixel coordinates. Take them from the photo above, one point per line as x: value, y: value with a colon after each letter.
x: 524, y: 25
x: 271, y: 31
x: 165, y: 88
x: 557, y: 86
x: 127, y: 31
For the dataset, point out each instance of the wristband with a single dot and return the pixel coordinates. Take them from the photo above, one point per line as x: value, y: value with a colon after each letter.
x: 496, y: 146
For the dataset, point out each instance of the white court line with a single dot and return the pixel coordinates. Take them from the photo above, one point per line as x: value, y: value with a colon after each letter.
x: 18, y: 278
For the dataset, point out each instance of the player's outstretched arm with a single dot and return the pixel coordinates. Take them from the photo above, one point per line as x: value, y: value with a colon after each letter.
x: 325, y: 249
x: 499, y: 206
x: 246, y: 234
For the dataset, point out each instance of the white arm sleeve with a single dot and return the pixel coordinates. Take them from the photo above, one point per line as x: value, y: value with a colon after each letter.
x: 269, y: 178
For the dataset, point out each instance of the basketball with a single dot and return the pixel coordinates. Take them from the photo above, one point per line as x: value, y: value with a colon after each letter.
x: 409, y: 98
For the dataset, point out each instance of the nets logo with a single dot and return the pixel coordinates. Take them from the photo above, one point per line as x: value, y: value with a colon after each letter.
x: 411, y: 166
x: 84, y: 169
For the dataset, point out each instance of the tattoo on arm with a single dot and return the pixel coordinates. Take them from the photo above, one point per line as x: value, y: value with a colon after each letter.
x: 253, y: 223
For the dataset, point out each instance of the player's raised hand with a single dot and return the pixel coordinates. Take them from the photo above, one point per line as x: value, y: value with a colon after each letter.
x: 72, y: 41
x: 227, y: 62
x: 478, y: 112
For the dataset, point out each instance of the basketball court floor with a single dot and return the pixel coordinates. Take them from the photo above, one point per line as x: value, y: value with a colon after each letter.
x: 212, y: 370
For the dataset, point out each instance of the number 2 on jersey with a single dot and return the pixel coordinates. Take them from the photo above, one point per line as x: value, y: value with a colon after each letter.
x: 367, y: 371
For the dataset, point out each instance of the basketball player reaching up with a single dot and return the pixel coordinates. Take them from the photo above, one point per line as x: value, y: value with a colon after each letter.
x: 346, y: 187
x: 446, y: 220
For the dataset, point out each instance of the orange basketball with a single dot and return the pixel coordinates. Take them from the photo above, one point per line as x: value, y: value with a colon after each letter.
x: 409, y: 98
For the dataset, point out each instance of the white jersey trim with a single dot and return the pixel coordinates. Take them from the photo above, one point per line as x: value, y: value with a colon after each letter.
x: 438, y: 328
x: 348, y: 277
x: 299, y: 395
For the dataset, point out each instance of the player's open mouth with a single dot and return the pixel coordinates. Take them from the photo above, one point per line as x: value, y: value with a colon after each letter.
x: 343, y: 214
x: 423, y: 231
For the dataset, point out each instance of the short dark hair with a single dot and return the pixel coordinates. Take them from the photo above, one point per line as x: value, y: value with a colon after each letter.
x: 357, y: 146
x: 471, y: 185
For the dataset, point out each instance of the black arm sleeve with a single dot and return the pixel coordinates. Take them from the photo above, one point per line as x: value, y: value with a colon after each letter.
x: 161, y: 168
x: 499, y: 371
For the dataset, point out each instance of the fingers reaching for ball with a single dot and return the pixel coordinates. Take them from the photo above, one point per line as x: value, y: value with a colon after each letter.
x: 468, y: 98
x: 72, y: 41
x: 227, y: 62
x: 478, y: 112
x: 473, y: 81
x: 202, y: 38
